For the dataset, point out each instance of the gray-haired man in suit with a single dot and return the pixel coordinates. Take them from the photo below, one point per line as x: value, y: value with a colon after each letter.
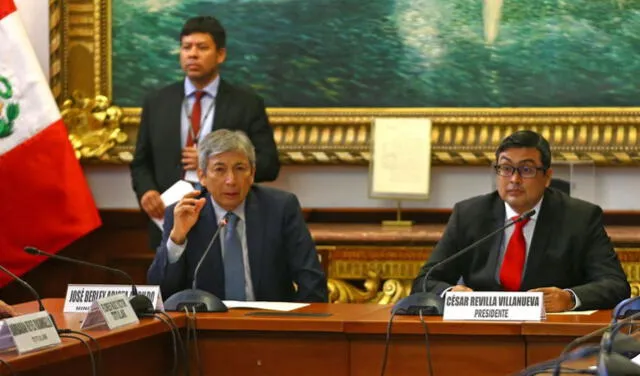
x: 262, y: 251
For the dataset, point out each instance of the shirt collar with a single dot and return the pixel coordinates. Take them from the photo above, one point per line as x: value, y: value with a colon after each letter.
x: 220, y: 212
x: 211, y: 89
x: 510, y: 213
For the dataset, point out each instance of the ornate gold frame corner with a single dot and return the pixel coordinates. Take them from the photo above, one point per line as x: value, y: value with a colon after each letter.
x: 81, y: 61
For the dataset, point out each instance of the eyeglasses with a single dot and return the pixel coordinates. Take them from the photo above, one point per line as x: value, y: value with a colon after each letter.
x: 524, y: 171
x: 237, y: 171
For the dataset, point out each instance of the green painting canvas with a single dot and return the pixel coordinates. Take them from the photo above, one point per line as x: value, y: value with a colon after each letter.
x: 395, y: 53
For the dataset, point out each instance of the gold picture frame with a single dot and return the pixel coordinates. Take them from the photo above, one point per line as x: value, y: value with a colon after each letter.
x: 80, y: 33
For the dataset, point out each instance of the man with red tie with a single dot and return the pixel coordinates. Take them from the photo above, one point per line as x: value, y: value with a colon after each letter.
x: 562, y: 251
x: 179, y: 115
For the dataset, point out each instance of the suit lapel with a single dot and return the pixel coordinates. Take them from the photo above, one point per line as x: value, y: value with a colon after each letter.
x: 255, y: 233
x: 545, y: 222
x: 173, y: 125
x: 496, y: 221
x: 222, y: 107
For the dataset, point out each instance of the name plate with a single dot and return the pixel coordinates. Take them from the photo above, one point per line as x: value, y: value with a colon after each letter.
x: 80, y: 297
x: 28, y: 332
x: 494, y: 306
x: 114, y: 311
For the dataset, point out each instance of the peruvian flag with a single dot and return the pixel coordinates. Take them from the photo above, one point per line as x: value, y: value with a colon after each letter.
x: 45, y: 201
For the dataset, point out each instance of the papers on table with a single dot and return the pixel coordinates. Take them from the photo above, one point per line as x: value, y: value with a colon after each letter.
x: 173, y: 195
x: 273, y: 306
x: 585, y: 313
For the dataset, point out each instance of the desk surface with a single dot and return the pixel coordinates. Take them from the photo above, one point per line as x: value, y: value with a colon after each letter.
x: 351, y: 338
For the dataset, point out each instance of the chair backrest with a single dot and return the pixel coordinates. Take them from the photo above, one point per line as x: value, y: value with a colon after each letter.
x: 561, y: 185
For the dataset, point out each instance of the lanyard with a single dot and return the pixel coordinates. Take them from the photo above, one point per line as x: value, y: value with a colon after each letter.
x: 196, y: 136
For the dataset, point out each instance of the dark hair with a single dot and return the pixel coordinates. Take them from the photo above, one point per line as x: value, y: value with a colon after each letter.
x: 205, y: 24
x: 527, y: 139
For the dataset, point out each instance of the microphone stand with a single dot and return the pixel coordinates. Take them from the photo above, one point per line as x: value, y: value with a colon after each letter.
x: 32, y: 290
x: 432, y: 304
x: 194, y: 299
x: 141, y: 304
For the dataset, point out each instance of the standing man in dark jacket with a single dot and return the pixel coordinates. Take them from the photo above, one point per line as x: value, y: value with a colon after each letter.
x: 177, y: 116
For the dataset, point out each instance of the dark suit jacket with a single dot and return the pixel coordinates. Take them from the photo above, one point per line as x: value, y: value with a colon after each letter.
x: 280, y: 247
x: 156, y: 163
x: 569, y: 249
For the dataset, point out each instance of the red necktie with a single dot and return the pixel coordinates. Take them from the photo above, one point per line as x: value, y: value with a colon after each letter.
x: 514, y: 257
x: 196, y: 114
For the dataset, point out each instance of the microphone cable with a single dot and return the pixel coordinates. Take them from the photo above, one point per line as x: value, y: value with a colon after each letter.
x: 86, y: 344
x: 555, y: 365
x: 174, y: 341
x: 580, y: 340
x: 8, y: 366
x: 96, y: 344
x: 181, y: 346
x: 426, y: 341
x: 549, y: 365
x: 386, y: 343
x: 192, y: 327
x: 388, y: 339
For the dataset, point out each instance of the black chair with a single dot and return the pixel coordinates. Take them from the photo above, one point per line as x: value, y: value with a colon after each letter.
x: 561, y: 185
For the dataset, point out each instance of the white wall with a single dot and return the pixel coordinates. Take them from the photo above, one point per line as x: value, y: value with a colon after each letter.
x: 344, y: 186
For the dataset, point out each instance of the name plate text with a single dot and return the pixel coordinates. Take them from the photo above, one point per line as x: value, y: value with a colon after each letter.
x: 494, y: 306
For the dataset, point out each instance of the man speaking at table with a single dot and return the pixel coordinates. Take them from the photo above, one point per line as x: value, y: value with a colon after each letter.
x: 265, y: 246
x: 562, y: 251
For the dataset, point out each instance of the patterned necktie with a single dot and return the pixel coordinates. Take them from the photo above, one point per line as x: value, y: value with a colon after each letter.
x: 196, y: 114
x: 234, y: 283
x: 514, y: 258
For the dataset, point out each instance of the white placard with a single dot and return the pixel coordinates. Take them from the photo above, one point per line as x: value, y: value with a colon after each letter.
x: 400, y: 165
x: 494, y: 306
x: 80, y: 297
x: 114, y: 310
x: 29, y: 332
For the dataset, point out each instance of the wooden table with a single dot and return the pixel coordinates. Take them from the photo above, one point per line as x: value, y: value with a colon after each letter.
x: 489, y: 348
x: 238, y: 344
x: 142, y: 349
x: 334, y: 339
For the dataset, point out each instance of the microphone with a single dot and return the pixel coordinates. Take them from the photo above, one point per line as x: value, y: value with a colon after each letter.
x: 194, y: 299
x: 432, y: 304
x: 25, y: 284
x: 33, y: 292
x: 619, y: 346
x: 615, y: 345
x: 140, y: 303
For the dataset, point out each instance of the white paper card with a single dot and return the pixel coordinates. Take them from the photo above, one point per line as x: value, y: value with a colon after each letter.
x: 172, y: 195
x: 272, y: 306
x: 401, y: 159
x: 114, y: 310
x: 494, y: 306
x: 80, y: 297
x: 30, y: 332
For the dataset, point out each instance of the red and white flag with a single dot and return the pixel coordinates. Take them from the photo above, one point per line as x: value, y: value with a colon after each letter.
x: 45, y: 201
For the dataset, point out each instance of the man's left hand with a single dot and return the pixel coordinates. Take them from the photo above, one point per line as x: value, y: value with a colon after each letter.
x: 190, y: 158
x: 555, y: 299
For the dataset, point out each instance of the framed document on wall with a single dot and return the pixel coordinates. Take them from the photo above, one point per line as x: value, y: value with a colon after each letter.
x: 400, y: 166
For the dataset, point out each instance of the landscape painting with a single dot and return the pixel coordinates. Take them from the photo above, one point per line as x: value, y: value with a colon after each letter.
x: 395, y: 53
